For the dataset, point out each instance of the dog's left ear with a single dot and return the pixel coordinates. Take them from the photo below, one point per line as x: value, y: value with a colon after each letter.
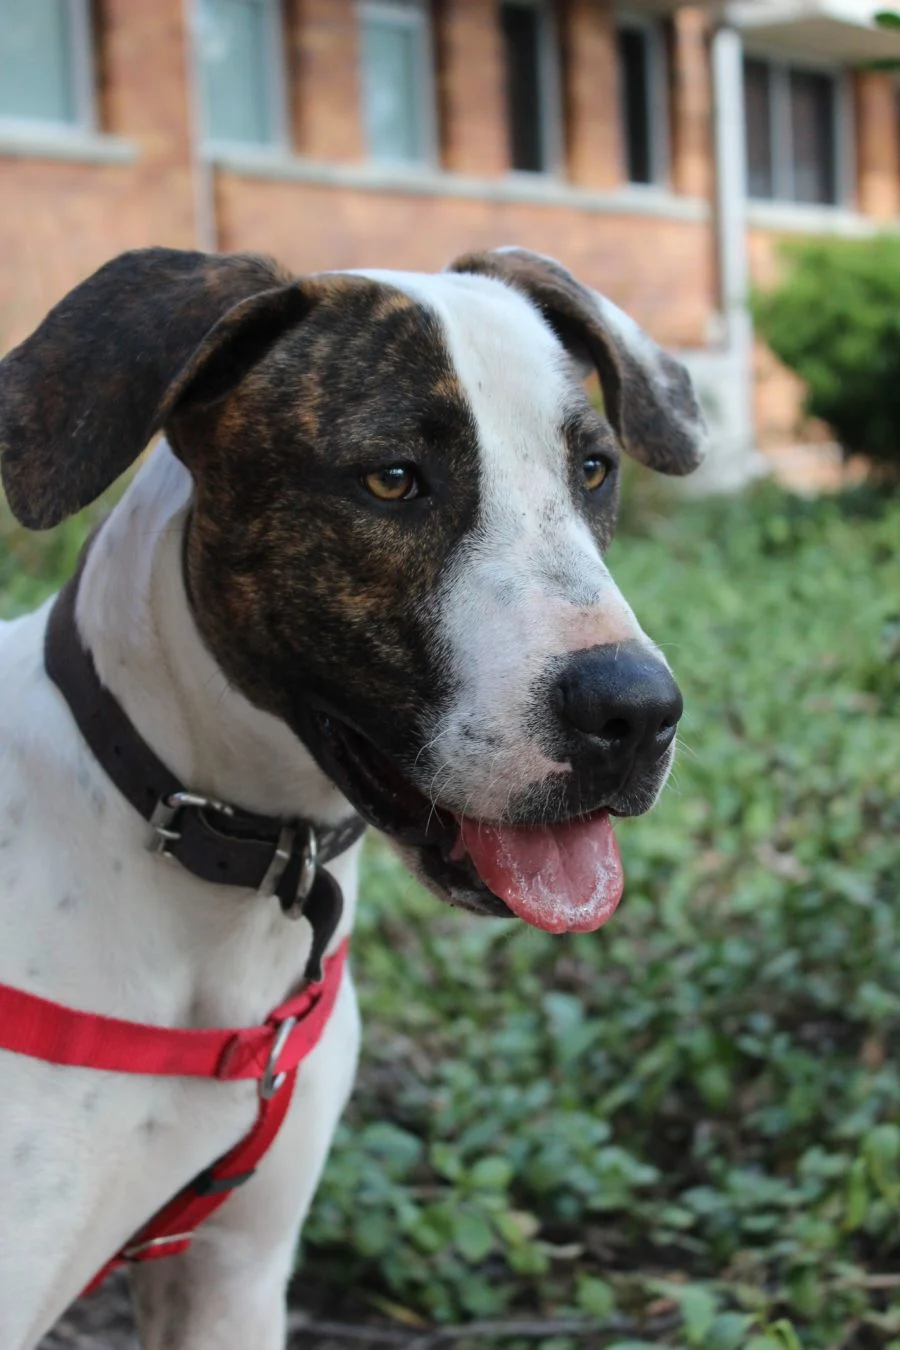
x: 648, y: 395
x: 82, y: 397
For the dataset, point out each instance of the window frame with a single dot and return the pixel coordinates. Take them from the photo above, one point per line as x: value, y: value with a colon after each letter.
x: 413, y: 16
x: 779, y: 65
x: 276, y: 85
x: 653, y: 29
x: 550, y: 110
x: 81, y: 65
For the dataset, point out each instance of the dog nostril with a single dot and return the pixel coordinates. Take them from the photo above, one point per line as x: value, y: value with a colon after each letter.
x: 616, y: 729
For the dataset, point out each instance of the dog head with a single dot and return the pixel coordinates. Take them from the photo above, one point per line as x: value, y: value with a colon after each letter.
x: 402, y: 498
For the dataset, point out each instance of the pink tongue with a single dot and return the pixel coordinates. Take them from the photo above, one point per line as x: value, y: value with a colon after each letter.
x: 562, y: 878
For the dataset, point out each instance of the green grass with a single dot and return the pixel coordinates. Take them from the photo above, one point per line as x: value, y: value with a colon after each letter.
x: 686, y: 1128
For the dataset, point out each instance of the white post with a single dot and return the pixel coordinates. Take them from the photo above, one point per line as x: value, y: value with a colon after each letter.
x: 731, y: 181
x: 726, y: 376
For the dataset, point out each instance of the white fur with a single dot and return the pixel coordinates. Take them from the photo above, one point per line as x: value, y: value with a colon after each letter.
x: 530, y: 584
x: 91, y: 919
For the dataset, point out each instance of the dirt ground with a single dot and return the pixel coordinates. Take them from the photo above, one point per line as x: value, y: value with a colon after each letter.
x: 104, y: 1322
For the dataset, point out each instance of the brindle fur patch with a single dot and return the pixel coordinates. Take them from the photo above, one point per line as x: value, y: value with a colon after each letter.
x: 328, y: 587
x: 82, y: 396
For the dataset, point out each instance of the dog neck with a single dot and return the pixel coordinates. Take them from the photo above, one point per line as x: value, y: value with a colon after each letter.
x: 134, y: 617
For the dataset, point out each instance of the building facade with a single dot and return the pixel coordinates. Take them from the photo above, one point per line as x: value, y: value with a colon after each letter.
x: 661, y: 151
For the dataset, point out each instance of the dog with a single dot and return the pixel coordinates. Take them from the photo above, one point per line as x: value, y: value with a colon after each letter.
x: 361, y: 576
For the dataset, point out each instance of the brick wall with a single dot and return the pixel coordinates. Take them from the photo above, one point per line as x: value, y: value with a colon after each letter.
x: 323, y: 79
x: 61, y: 220
x: 591, y: 94
x: 877, y: 149
x: 691, y: 115
x: 470, y: 88
x: 658, y: 270
x: 69, y: 217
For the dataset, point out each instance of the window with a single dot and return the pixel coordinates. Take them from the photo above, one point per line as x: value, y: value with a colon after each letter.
x: 758, y: 118
x: 45, y: 64
x: 792, y: 118
x: 813, y: 139
x: 532, y: 93
x: 642, y: 88
x: 239, y: 53
x: 397, y: 89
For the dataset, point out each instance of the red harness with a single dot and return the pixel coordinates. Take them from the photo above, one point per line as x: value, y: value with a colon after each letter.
x: 270, y: 1054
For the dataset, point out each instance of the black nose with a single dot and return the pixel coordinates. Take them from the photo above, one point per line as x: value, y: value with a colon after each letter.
x: 620, y: 702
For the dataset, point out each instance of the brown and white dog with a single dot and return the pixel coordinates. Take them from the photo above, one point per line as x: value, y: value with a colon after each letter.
x: 364, y: 570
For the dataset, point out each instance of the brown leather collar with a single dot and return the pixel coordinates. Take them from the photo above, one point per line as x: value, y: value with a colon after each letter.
x: 213, y: 840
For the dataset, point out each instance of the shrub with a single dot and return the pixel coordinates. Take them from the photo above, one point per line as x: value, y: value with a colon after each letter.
x: 835, y: 321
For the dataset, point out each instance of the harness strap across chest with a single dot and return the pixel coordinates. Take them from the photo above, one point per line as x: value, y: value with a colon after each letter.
x: 220, y: 843
x: 269, y: 1054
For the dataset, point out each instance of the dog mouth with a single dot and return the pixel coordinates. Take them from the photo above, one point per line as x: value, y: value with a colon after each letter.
x: 562, y: 876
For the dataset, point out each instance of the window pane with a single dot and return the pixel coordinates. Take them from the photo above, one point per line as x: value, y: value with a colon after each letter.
x: 392, y: 89
x: 35, y: 61
x: 234, y: 61
x: 813, y: 137
x: 758, y: 117
x: 634, y: 84
x: 521, y: 36
x: 758, y: 121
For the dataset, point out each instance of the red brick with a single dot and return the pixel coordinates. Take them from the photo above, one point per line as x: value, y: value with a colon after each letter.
x: 659, y: 270
x: 877, y: 158
x: 325, y: 87
x: 471, y: 88
x: 591, y: 94
x: 691, y: 102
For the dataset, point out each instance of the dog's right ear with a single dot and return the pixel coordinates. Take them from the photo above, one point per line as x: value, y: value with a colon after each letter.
x: 81, y: 398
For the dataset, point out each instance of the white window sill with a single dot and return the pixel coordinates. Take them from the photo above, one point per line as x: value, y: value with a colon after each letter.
x: 796, y: 218
x: 426, y: 181
x: 60, y: 143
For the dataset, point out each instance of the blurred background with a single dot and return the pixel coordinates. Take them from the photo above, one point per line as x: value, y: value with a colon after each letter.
x: 684, y: 1130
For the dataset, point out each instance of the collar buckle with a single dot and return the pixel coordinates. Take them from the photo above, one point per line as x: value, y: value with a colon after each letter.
x: 164, y: 818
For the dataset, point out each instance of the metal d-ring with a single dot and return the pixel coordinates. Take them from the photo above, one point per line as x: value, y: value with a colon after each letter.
x: 306, y: 880
x: 284, y: 851
x: 272, y: 1080
x: 280, y: 859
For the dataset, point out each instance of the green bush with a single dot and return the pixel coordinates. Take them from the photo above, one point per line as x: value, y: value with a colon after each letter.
x: 835, y: 321
x: 684, y: 1129
x: 32, y: 565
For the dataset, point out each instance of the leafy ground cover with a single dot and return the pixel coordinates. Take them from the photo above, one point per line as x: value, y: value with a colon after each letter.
x: 684, y: 1130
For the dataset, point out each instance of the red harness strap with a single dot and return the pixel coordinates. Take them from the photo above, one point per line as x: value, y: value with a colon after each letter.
x: 271, y: 1054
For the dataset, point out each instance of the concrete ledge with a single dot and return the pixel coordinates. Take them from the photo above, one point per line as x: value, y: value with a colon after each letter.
x: 792, y: 218
x: 424, y: 181
x: 60, y: 144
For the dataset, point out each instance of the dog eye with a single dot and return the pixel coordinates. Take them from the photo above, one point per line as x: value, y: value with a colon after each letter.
x: 595, y: 471
x: 392, y: 483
